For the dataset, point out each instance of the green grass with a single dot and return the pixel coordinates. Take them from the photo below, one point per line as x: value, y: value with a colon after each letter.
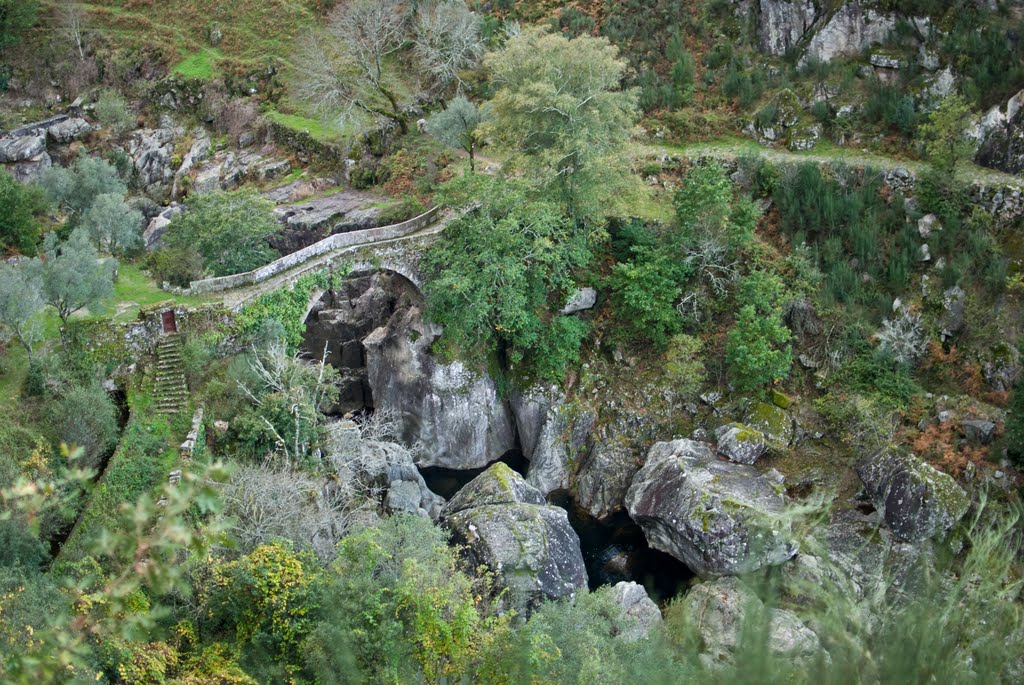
x: 199, y: 65
x: 317, y: 128
x: 134, y: 289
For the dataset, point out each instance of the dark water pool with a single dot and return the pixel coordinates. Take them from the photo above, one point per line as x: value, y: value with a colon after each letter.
x: 614, y: 550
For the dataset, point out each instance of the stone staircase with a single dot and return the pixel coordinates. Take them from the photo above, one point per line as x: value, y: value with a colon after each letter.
x: 171, y: 392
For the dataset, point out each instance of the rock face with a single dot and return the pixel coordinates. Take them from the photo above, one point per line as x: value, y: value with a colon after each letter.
x: 380, y: 466
x: 849, y: 32
x: 68, y: 130
x: 1000, y: 137
x: 718, y: 609
x: 552, y: 436
x: 311, y: 221
x: 604, y: 477
x: 637, y: 606
x: 374, y: 333
x: 716, y: 517
x: 528, y: 545
x: 782, y: 24
x: 21, y: 148
x: 915, y: 500
x: 154, y: 233
x: 151, y: 150
x: 227, y: 170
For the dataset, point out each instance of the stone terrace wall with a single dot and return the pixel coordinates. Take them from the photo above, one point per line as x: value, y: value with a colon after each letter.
x: 328, y: 244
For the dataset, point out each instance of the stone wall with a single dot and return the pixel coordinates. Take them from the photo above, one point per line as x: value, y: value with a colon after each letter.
x: 307, y: 148
x: 329, y: 244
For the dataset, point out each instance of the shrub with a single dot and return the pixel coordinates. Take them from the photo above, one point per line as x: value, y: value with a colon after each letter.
x: 1015, y: 426
x: 644, y: 293
x: 112, y: 111
x: 86, y: 417
x: 178, y: 266
x: 757, y: 347
x: 684, y: 366
x: 19, y: 205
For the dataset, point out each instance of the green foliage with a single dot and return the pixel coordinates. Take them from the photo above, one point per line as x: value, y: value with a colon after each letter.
x: 498, y: 277
x: 73, y: 276
x: 705, y: 208
x: 1015, y: 426
x: 113, y: 225
x: 228, y: 229
x: 75, y: 188
x: 887, y: 106
x: 178, y: 265
x: 684, y: 366
x: 21, y: 301
x: 16, y: 17
x: 19, y: 207
x: 873, y: 375
x: 286, y: 306
x: 757, y: 347
x: 945, y: 134
x: 458, y: 125
x: 573, y: 159
x: 645, y: 290
x: 112, y: 111
x: 85, y: 417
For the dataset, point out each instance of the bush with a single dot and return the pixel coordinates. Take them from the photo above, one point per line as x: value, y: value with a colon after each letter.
x: 75, y: 188
x: 1015, y: 426
x: 228, y: 229
x: 757, y: 347
x: 19, y: 205
x: 86, y: 417
x: 178, y: 266
x: 684, y: 366
x: 112, y: 111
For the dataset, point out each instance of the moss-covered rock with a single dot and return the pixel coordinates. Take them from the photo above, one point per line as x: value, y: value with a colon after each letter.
x: 773, y: 421
x: 741, y: 444
x: 916, y: 500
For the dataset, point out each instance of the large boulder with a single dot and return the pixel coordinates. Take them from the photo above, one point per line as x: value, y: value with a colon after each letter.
x: 638, y: 608
x: 308, y: 222
x: 454, y: 413
x: 915, y: 500
x: 157, y: 227
x: 773, y: 422
x: 30, y: 170
x: 151, y: 151
x: 1000, y: 137
x: 69, y: 130
x: 850, y: 31
x: 718, y: 610
x: 530, y: 547
x: 21, y: 148
x: 741, y: 444
x: 717, y: 517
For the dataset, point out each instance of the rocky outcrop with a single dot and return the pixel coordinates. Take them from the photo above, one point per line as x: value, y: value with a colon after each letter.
x: 374, y: 333
x: 741, y: 444
x: 313, y: 220
x: 638, y: 608
x: 850, y: 31
x: 718, y: 610
x: 21, y: 148
x: 157, y: 227
x: 716, y: 517
x: 553, y: 436
x: 915, y: 500
x: 228, y: 170
x: 69, y: 130
x: 1000, y: 136
x: 605, y: 476
x: 529, y: 546
x: 151, y: 151
x: 783, y: 24
x: 378, y: 466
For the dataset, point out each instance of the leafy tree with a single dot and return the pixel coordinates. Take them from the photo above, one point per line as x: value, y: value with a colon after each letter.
x: 458, y: 125
x: 560, y: 111
x: 178, y: 265
x: 945, y: 134
x: 75, y: 188
x: 757, y: 347
x: 498, y: 277
x: 229, y: 230
x: 73, y: 276
x: 705, y: 208
x: 21, y: 301
x: 19, y: 205
x: 16, y: 16
x: 645, y: 290
x: 113, y: 225
x: 85, y: 417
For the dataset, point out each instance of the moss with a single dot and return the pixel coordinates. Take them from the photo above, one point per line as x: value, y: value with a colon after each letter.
x: 781, y: 400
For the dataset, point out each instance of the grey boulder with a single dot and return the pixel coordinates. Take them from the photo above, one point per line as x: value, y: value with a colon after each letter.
x: 604, y: 477
x: 21, y: 148
x: 718, y: 609
x: 915, y: 500
x: 638, y: 608
x: 68, y: 130
x: 741, y: 444
x: 530, y: 547
x: 717, y: 517
x: 551, y: 434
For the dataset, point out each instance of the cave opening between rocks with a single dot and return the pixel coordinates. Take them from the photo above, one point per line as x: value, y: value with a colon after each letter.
x: 614, y: 550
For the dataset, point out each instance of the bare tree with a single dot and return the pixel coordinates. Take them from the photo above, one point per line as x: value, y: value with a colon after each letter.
x: 72, y: 23
x: 448, y: 41
x: 353, y: 76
